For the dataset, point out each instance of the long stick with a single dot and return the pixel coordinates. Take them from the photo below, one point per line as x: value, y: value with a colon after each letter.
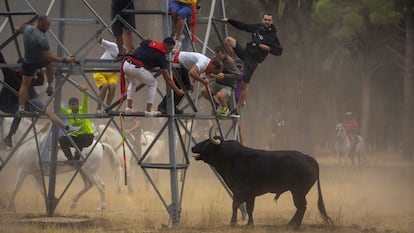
x: 121, y: 119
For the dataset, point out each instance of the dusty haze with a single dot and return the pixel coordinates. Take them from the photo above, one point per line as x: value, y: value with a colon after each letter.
x: 375, y: 198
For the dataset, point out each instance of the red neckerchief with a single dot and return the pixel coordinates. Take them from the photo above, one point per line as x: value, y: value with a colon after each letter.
x: 208, y: 67
x: 175, y: 59
x: 158, y: 46
x: 122, y: 75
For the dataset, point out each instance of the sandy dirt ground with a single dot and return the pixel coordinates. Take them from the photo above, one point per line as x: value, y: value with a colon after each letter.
x: 378, y: 197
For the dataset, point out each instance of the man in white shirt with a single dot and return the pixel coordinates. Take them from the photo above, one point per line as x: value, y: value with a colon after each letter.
x: 193, y: 64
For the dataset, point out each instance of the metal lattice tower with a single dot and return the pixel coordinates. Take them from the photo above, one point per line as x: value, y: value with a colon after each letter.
x: 66, y: 75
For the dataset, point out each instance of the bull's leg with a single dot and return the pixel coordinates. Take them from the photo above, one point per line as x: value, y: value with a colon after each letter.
x: 235, y: 205
x: 300, y: 204
x: 242, y: 208
x: 249, y: 208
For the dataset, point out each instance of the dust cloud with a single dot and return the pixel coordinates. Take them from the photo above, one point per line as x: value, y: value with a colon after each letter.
x: 377, y: 197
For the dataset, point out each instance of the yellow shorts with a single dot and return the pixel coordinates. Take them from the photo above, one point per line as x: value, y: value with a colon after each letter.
x: 104, y: 78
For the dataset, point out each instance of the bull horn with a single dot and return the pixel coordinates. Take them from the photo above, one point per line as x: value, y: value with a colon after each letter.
x: 211, y: 137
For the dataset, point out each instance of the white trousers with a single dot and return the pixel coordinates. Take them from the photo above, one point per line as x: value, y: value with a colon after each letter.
x: 137, y: 76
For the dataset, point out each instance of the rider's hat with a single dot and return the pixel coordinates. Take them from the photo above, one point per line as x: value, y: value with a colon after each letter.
x: 348, y: 113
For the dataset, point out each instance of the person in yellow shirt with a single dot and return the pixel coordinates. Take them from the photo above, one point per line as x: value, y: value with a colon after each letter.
x: 84, y: 137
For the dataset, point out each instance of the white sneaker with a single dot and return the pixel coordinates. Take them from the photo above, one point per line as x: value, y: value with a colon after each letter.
x: 152, y: 113
x: 181, y: 37
x: 130, y: 110
x: 177, y: 46
x: 101, y: 113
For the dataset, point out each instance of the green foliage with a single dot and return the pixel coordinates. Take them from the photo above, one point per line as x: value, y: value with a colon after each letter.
x: 353, y: 26
x: 326, y: 13
x: 347, y: 20
x: 382, y: 11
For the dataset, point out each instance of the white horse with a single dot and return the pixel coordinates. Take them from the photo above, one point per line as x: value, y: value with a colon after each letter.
x: 343, y: 147
x: 113, y: 137
x: 28, y: 163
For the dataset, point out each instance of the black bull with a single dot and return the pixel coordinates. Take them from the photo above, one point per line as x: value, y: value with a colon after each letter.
x: 250, y: 173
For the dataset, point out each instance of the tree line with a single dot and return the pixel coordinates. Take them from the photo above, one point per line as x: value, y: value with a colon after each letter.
x: 339, y: 56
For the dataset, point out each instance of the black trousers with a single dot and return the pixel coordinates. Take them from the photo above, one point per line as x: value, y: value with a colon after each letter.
x: 185, y: 79
x: 81, y: 140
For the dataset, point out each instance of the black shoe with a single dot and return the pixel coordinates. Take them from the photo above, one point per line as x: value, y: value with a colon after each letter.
x: 77, y: 156
x: 8, y: 141
x: 120, y: 56
x: 164, y: 110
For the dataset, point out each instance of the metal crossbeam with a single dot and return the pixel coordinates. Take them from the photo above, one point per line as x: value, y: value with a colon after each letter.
x: 173, y: 122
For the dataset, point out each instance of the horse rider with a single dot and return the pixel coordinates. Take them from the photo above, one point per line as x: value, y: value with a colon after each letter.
x: 351, y: 127
x: 84, y: 137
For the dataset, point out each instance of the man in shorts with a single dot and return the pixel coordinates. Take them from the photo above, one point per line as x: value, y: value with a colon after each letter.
x: 9, y: 103
x: 224, y: 83
x: 36, y: 56
x: 120, y: 30
x: 106, y: 82
x: 181, y: 10
x: 264, y: 41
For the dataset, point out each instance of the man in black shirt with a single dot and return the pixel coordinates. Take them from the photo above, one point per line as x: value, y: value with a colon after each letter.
x: 137, y: 69
x: 264, y: 40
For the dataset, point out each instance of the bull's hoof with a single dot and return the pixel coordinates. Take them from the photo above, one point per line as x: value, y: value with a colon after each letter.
x: 233, y: 223
x: 73, y: 206
x: 294, y: 226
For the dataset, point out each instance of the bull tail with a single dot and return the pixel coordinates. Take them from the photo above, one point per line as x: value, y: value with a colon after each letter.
x: 321, y: 204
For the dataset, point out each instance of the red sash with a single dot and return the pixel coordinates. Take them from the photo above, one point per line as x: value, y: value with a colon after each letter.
x: 122, y: 75
x: 193, y: 22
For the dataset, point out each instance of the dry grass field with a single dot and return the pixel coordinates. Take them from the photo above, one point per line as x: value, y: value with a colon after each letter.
x: 376, y: 198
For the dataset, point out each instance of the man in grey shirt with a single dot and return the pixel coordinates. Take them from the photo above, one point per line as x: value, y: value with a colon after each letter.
x: 224, y: 82
x: 36, y: 56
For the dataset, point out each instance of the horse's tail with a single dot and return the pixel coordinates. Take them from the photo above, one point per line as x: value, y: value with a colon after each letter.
x: 321, y: 205
x: 110, y: 153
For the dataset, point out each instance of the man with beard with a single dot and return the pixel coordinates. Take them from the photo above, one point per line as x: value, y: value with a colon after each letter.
x: 84, y: 137
x: 264, y: 40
